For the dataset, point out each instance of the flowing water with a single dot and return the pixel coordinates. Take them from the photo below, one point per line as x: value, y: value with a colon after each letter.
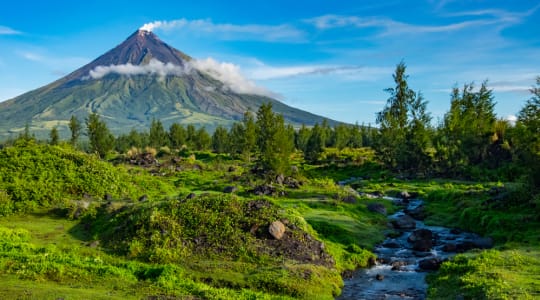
x: 399, y: 272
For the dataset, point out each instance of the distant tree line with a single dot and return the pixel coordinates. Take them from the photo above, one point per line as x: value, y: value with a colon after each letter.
x: 469, y: 142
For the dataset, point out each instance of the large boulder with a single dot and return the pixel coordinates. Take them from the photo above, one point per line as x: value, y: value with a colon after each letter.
x: 277, y: 229
x: 403, y: 222
x: 377, y: 208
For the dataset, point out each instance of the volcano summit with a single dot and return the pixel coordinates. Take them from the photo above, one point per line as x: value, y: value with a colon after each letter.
x: 141, y: 79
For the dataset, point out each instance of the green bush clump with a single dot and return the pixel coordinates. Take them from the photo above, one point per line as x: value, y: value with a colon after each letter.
x: 35, y: 175
x: 491, y: 274
x: 171, y: 231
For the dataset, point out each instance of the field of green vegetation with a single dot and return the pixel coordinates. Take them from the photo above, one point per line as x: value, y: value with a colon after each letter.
x: 266, y: 211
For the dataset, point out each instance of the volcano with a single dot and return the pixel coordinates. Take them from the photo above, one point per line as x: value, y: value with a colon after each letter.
x: 139, y: 80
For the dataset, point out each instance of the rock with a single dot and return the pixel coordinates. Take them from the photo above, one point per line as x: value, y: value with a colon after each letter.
x: 417, y: 213
x: 483, y: 243
x: 379, y: 277
x: 477, y: 243
x: 377, y: 208
x: 279, y: 179
x: 264, y: 189
x: 292, y: 183
x: 423, y: 245
x: 107, y: 197
x: 450, y: 247
x: 294, y: 169
x: 430, y: 264
x: 404, y: 195
x: 398, y: 265
x: 276, y: 229
x: 232, y: 169
x: 143, y: 198
x: 391, y: 244
x: 191, y: 196
x: 93, y: 244
x: 420, y: 234
x: 455, y: 231
x: 230, y: 189
x: 403, y: 222
x: 349, y: 199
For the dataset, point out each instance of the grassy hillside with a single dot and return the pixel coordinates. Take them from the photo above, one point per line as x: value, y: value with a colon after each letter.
x: 76, y: 227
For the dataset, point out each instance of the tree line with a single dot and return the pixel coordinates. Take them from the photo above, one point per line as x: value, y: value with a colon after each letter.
x: 469, y: 142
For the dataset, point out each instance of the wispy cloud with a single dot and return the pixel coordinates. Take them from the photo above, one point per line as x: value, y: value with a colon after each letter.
x: 8, y: 31
x: 263, y: 71
x: 227, y: 31
x: 389, y: 26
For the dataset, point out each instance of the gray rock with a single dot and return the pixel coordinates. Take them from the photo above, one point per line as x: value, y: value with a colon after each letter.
x: 430, y: 264
x: 230, y: 189
x: 377, y: 208
x: 403, y: 222
x: 277, y: 230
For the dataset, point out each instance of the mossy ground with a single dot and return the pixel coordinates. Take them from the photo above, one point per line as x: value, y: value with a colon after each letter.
x: 48, y: 246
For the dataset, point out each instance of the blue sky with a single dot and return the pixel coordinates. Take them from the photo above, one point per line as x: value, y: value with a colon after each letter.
x: 333, y: 58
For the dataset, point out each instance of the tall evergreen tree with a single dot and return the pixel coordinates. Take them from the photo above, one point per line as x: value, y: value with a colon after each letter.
x: 101, y: 139
x: 527, y: 136
x: 273, y: 140
x: 302, y: 137
x: 158, y: 135
x: 316, y: 144
x: 220, y: 140
x: 75, y: 127
x: 177, y: 135
x: 202, y: 139
x: 55, y: 138
x: 402, y: 125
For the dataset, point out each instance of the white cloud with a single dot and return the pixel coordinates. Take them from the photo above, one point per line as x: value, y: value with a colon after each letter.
x: 271, y: 33
x: 8, y: 31
x: 154, y: 67
x: 231, y: 76
x: 227, y: 73
x: 511, y: 119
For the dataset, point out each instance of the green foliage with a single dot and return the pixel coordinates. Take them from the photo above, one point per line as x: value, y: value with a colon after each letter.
x: 220, y: 140
x: 175, y: 230
x: 34, y: 175
x: 158, y: 136
x: 403, y: 140
x: 490, y: 274
x: 54, y: 136
x: 274, y: 140
x: 101, y: 139
x: 75, y: 127
x: 177, y: 135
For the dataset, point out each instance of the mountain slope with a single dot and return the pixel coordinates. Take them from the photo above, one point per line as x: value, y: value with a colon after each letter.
x: 140, y: 79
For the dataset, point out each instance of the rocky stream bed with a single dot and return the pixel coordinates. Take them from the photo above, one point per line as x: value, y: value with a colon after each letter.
x: 405, y: 257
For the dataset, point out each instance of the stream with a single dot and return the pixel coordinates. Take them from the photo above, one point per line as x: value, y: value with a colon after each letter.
x: 403, y: 261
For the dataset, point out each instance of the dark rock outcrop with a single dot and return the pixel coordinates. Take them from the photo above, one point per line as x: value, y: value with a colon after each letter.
x: 377, y: 208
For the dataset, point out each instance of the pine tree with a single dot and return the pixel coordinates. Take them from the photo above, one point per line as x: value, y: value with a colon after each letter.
x: 75, y: 127
x: 158, y: 135
x: 55, y: 138
x: 220, y: 140
x: 316, y: 144
x: 404, y: 138
x: 274, y: 142
x: 177, y: 135
x: 101, y: 140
